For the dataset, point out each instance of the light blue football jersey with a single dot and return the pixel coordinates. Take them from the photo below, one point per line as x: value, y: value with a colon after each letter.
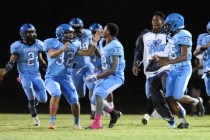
x: 114, y: 48
x: 184, y: 37
x: 59, y: 65
x: 206, y: 55
x: 27, y: 62
x: 85, y: 40
x: 200, y: 39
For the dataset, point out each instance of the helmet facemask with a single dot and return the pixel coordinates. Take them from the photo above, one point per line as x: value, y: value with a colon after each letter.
x: 68, y: 36
x: 77, y: 31
x: 29, y: 37
x: 77, y: 25
x: 64, y: 33
x: 28, y: 34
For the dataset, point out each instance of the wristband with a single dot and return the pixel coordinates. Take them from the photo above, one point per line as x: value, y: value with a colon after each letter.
x: 93, y: 43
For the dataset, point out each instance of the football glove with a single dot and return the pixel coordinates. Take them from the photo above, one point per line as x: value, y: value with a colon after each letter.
x: 91, y: 78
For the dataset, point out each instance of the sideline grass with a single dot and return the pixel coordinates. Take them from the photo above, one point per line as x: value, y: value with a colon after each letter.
x: 129, y: 127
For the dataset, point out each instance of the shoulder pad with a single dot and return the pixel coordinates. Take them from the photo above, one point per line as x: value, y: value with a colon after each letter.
x: 15, y: 47
x: 50, y: 43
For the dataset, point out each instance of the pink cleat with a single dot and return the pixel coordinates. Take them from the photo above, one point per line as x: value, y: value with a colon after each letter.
x: 95, y: 125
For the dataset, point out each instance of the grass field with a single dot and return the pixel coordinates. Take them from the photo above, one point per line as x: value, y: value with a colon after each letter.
x: 129, y: 127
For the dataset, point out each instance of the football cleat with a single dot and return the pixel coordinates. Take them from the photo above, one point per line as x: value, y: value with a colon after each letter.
x: 145, y: 119
x: 77, y: 126
x: 36, y: 121
x: 51, y: 125
x: 95, y: 125
x: 114, y: 117
x: 172, y: 124
x: 201, y: 109
x: 183, y: 126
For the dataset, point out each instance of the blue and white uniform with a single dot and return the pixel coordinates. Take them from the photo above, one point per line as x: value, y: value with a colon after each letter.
x: 83, y: 66
x: 180, y: 73
x: 204, y: 39
x: 57, y: 78
x: 107, y: 85
x: 28, y: 69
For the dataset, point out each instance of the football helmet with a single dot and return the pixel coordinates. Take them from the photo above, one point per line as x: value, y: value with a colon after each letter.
x: 28, y: 32
x: 174, y: 22
x: 208, y: 27
x: 95, y: 26
x: 77, y: 25
x: 64, y: 32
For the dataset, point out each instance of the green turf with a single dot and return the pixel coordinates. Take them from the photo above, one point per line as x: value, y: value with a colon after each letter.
x: 129, y: 127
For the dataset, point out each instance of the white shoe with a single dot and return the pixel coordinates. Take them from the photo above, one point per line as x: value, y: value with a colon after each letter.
x: 145, y: 119
x: 36, y: 121
x: 77, y: 126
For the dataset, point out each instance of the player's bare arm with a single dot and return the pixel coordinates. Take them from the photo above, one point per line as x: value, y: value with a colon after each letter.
x: 114, y: 62
x: 165, y: 61
x: 54, y: 53
x: 201, y: 49
x: 92, y: 47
